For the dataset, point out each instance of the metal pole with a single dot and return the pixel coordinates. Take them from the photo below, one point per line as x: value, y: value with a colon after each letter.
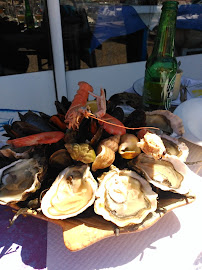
x: 57, y: 47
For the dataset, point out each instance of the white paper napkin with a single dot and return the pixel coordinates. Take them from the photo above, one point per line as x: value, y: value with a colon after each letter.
x: 194, y: 88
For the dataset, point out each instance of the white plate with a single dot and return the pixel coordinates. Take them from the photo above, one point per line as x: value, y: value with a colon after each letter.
x: 190, y: 112
x: 138, y: 86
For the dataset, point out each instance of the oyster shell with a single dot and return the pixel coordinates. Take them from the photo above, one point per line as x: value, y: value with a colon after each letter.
x: 166, y: 121
x: 124, y: 197
x: 168, y: 174
x: 19, y: 179
x: 174, y: 147
x: 71, y: 193
x: 128, y: 148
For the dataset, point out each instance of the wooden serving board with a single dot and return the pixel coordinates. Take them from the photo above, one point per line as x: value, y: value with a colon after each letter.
x: 79, y: 233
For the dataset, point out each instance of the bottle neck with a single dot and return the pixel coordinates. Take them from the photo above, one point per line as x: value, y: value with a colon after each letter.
x: 27, y: 5
x: 29, y: 16
x: 165, y: 38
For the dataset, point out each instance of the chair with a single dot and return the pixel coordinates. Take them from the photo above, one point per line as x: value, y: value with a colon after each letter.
x: 76, y: 37
x: 188, y: 41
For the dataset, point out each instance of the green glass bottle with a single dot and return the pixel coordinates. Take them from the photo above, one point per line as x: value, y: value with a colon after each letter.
x: 161, y: 66
x: 29, y: 19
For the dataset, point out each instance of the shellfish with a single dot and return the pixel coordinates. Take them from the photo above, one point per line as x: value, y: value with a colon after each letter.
x: 168, y: 122
x: 174, y: 147
x: 151, y: 144
x: 81, y: 152
x: 106, y: 152
x: 128, y: 148
x: 105, y: 157
x: 72, y: 192
x: 168, y: 174
x: 124, y: 197
x: 19, y: 179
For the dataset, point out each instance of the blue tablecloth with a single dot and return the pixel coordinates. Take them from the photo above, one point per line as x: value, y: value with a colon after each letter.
x: 189, y: 17
x: 119, y: 20
x: 115, y: 21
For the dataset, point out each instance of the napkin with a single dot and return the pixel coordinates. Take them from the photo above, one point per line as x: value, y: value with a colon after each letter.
x: 194, y: 88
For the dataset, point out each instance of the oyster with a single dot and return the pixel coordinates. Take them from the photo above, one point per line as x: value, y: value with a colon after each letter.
x: 167, y: 121
x: 124, y: 197
x: 128, y: 148
x: 71, y: 193
x: 168, y: 174
x: 19, y: 179
x: 174, y: 147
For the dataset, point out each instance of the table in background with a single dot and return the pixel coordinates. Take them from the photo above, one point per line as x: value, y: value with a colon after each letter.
x: 135, y: 21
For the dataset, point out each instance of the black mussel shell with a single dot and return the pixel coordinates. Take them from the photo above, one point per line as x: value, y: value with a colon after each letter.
x: 136, y: 119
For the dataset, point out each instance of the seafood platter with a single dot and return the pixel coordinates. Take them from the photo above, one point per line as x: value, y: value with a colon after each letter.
x: 93, y: 169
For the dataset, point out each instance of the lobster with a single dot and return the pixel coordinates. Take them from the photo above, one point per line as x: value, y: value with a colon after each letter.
x: 78, y: 110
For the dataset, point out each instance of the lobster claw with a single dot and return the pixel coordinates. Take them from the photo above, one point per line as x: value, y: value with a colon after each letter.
x: 36, y: 139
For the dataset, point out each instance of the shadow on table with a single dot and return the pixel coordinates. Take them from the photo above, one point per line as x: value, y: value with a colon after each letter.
x: 27, y: 232
x: 111, y: 252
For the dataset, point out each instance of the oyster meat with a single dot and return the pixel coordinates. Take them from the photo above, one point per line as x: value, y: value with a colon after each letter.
x: 71, y: 193
x: 166, y: 121
x: 19, y: 179
x: 174, y: 147
x: 124, y: 197
x: 168, y: 174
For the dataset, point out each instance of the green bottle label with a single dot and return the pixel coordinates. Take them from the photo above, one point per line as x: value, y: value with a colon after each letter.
x: 170, y: 93
x: 158, y: 94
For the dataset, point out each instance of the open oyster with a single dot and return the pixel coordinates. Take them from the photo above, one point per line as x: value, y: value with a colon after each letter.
x: 166, y: 121
x: 168, y: 174
x: 174, y: 147
x: 124, y: 197
x: 19, y: 179
x: 70, y: 194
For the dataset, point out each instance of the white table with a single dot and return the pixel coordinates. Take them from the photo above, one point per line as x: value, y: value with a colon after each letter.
x: 172, y: 243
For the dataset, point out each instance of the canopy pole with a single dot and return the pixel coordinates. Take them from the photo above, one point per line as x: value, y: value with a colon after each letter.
x: 57, y: 47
